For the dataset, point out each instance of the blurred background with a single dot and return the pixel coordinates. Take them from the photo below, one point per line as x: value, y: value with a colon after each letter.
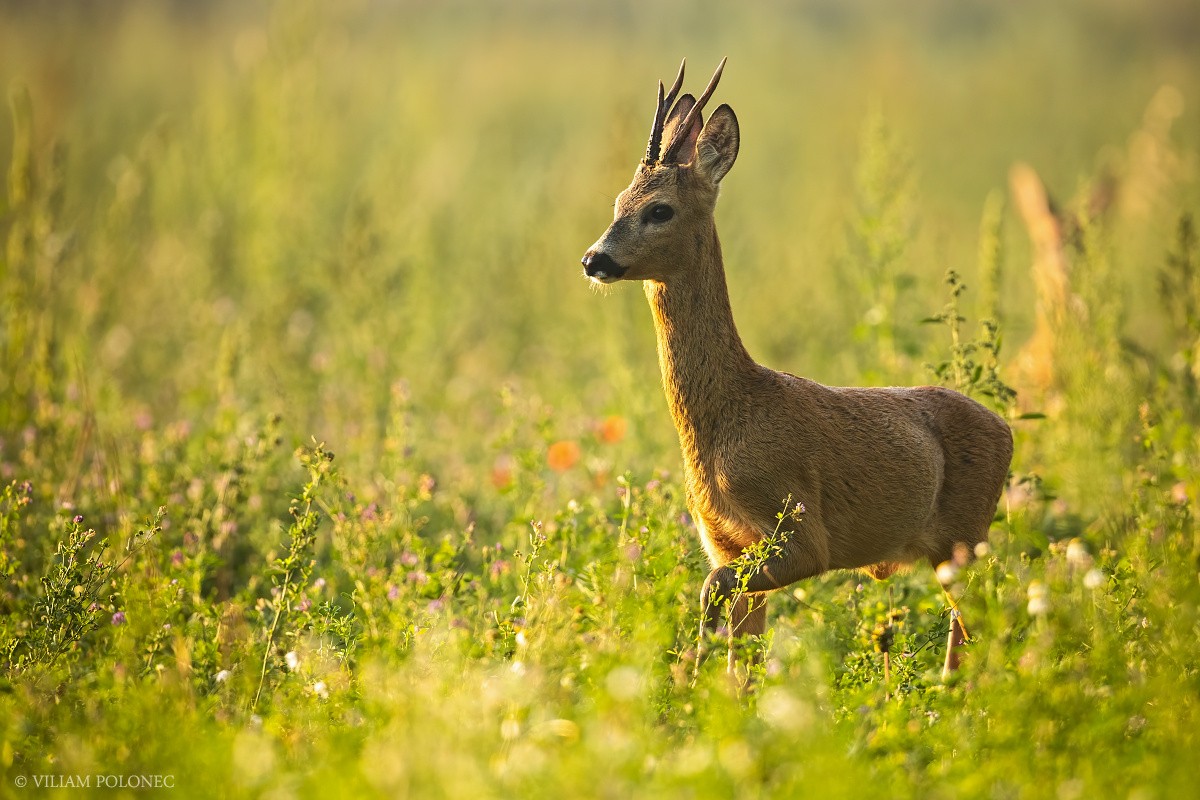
x: 219, y: 211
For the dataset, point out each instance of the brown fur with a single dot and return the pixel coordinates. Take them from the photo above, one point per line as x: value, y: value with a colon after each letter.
x: 887, y: 476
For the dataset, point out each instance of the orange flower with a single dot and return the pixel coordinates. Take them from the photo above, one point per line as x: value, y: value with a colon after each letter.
x: 502, y: 472
x: 563, y: 455
x: 612, y: 430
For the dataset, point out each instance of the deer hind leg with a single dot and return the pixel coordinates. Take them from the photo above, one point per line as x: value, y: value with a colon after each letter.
x: 956, y: 638
x: 954, y: 642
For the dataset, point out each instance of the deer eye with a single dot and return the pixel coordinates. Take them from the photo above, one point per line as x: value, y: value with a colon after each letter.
x: 660, y: 213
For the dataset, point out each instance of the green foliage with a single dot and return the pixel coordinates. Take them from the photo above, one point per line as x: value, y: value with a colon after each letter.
x: 882, y: 231
x: 232, y: 231
x: 973, y: 366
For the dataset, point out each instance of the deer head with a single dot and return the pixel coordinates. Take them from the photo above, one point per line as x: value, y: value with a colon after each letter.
x: 669, y: 205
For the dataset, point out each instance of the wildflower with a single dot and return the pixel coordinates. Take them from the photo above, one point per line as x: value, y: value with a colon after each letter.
x: 78, y: 519
x: 563, y: 455
x: 502, y: 472
x: 222, y: 676
x: 292, y: 660
x: 499, y: 567
x: 573, y: 506
x: 982, y: 549
x: 369, y: 512
x: 321, y: 690
x: 652, y: 485
x: 304, y: 605
x: 393, y: 592
x: 418, y: 577
x: 1039, y: 603
x: 319, y: 584
x: 1094, y: 579
x: 177, y: 558
x: 1077, y: 554
x: 437, y: 605
x: 612, y: 430
x: 118, y: 618
x: 947, y: 571
x: 409, y: 559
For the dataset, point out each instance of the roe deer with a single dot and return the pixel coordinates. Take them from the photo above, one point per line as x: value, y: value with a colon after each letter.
x: 887, y: 476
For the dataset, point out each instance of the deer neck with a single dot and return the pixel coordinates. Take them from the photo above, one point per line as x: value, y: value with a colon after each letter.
x: 705, y: 367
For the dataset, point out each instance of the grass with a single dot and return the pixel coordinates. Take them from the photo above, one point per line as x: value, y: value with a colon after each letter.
x: 322, y: 470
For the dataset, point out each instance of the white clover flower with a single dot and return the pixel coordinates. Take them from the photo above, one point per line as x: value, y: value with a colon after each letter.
x: 947, y: 571
x: 321, y: 690
x: 1077, y: 554
x: 222, y: 676
x: 1094, y: 579
x: 573, y: 506
x: 1039, y: 603
x: 293, y: 660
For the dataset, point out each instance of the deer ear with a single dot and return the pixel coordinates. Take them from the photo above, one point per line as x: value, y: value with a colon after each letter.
x: 717, y: 147
x: 683, y: 152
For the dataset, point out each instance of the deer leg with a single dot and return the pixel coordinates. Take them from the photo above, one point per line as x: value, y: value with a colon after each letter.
x: 954, y: 641
x: 749, y: 615
x: 797, y: 559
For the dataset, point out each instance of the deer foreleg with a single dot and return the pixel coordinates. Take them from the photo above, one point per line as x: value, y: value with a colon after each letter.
x: 730, y: 583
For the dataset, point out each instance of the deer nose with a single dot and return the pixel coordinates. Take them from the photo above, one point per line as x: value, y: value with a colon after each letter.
x: 601, y: 266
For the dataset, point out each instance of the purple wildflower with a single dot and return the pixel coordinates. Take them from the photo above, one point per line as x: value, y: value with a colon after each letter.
x: 118, y: 618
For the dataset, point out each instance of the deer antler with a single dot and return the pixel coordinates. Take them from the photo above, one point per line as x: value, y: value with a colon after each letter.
x: 680, y: 133
x: 660, y: 117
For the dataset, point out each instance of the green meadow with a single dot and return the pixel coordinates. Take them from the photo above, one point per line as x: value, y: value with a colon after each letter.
x: 325, y: 472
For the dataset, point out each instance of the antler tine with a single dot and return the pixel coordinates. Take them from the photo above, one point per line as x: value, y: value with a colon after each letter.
x: 654, y: 148
x: 656, y: 130
x: 675, y: 87
x: 683, y: 127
